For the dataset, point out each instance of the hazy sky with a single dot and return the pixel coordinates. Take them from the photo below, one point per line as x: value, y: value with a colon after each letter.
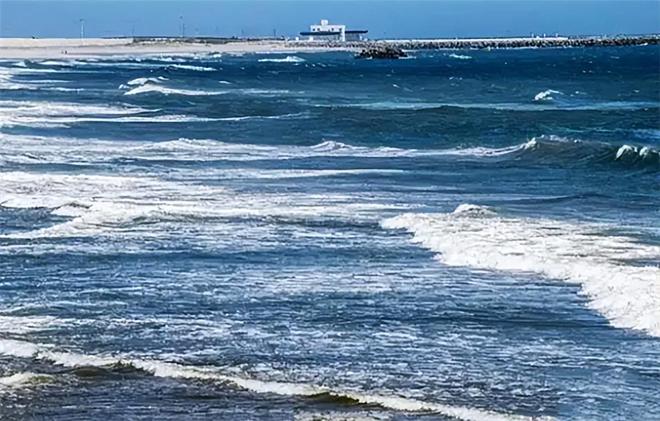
x: 395, y: 18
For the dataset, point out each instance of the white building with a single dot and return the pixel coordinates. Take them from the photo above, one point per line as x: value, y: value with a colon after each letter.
x: 326, y: 31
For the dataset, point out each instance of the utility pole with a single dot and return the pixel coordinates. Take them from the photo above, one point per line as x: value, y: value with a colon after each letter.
x: 82, y: 28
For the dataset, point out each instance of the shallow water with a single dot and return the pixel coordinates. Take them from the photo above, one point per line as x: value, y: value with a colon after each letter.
x: 469, y: 235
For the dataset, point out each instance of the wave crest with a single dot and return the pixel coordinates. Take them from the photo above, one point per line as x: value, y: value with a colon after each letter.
x: 287, y: 59
x: 627, y: 294
x: 90, y: 363
x: 460, y: 56
x: 193, y: 68
x: 144, y: 80
x: 23, y: 379
x: 151, y: 88
x: 546, y: 95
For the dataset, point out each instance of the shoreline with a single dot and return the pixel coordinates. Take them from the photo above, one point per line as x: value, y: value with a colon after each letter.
x: 52, y: 48
x: 49, y: 48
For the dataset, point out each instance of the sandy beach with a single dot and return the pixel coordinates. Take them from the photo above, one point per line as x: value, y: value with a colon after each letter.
x: 27, y: 48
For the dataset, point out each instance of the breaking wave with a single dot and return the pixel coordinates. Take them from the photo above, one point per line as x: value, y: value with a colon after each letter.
x: 546, y: 95
x: 576, y: 152
x: 538, y: 151
x: 193, y: 68
x: 554, y: 150
x: 625, y: 292
x: 144, y: 80
x: 20, y: 380
x: 123, y: 207
x: 158, y: 368
x: 460, y: 56
x: 287, y: 59
x: 60, y: 114
x: 151, y: 88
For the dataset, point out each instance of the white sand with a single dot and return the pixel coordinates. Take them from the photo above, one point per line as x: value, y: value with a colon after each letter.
x: 27, y: 48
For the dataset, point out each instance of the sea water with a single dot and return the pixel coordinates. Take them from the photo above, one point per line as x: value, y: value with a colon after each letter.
x: 465, y: 235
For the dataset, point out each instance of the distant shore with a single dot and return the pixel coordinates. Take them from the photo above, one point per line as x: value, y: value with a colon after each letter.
x: 29, y: 48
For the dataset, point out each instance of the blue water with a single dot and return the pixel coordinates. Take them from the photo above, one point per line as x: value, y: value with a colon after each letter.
x: 461, y: 235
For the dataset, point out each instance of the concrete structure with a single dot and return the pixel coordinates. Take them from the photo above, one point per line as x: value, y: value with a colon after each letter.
x: 327, y: 32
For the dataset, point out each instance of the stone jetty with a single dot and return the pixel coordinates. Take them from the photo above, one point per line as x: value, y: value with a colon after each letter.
x: 486, y: 43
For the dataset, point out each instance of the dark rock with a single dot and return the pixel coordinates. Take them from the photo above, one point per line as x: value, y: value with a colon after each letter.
x: 382, y: 52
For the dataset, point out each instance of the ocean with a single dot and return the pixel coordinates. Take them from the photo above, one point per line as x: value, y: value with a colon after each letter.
x: 468, y: 235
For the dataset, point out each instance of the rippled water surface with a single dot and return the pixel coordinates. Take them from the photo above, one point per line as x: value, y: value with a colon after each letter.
x: 465, y: 235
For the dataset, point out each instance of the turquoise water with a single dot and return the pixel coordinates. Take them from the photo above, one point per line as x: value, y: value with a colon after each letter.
x: 460, y: 235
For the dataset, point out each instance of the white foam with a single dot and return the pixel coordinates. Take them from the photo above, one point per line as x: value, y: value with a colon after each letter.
x: 18, y: 380
x: 27, y: 324
x: 460, y: 56
x: 457, y: 412
x: 123, y: 208
x: 46, y: 108
x: 150, y: 88
x: 144, y: 80
x: 546, y: 95
x: 62, y: 121
x: 49, y: 149
x: 644, y: 152
x: 255, y: 91
x: 627, y: 294
x: 261, y: 117
x: 468, y: 208
x: 194, y: 68
x: 173, y: 370
x: 287, y: 59
x: 57, y: 114
x: 59, y: 63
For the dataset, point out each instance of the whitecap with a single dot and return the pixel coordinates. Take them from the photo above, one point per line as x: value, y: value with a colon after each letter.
x: 23, y: 379
x: 287, y: 59
x: 546, y: 95
x: 460, y: 56
x: 627, y: 294
x: 180, y: 371
x: 149, y: 88
x: 194, y: 68
x: 470, y: 209
x: 144, y: 80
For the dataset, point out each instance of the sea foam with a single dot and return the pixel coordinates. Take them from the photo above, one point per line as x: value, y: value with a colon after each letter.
x: 178, y: 371
x: 20, y: 380
x: 151, y: 88
x: 144, y: 80
x: 460, y: 56
x: 626, y: 293
x: 546, y: 95
x: 287, y: 59
x: 193, y: 68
